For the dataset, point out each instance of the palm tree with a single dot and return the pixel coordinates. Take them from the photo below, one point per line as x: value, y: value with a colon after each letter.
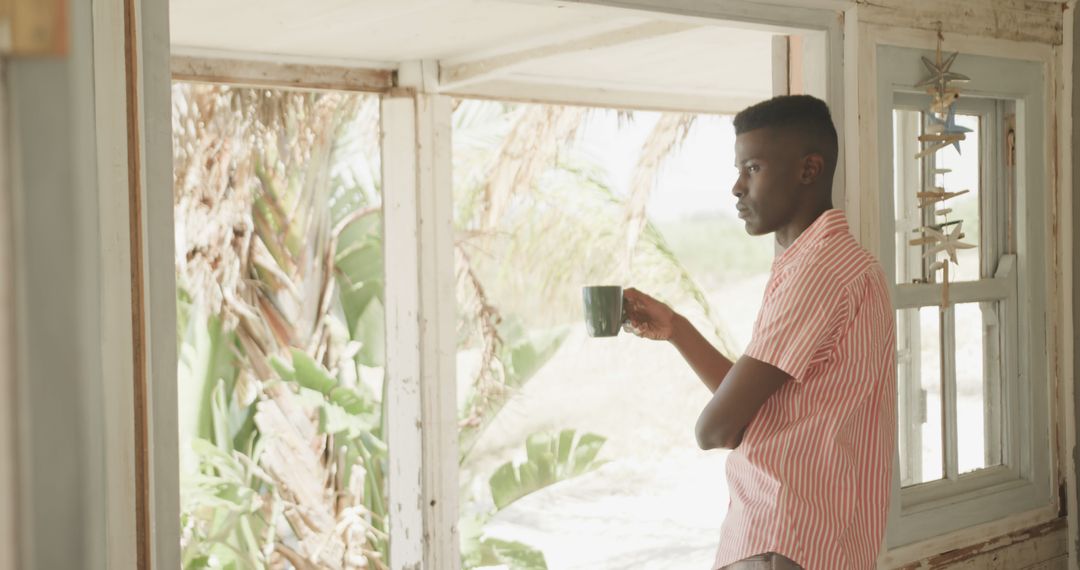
x: 259, y: 259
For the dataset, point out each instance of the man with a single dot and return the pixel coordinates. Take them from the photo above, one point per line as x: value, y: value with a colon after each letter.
x: 809, y: 408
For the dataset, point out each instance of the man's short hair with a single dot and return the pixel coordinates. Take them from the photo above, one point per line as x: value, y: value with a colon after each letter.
x: 804, y: 114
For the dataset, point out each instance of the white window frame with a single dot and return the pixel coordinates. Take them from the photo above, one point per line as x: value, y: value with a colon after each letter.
x: 1023, y: 485
x: 1000, y: 289
x: 433, y: 504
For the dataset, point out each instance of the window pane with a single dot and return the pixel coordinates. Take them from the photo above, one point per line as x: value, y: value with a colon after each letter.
x: 919, y: 385
x: 977, y: 419
x: 277, y: 205
x: 964, y: 175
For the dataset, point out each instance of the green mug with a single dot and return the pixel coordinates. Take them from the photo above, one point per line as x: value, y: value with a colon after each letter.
x: 603, y: 309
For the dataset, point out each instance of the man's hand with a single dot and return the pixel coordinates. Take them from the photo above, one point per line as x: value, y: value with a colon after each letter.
x: 646, y: 317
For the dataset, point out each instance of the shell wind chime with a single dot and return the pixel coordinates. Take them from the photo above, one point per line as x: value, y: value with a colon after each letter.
x: 941, y: 132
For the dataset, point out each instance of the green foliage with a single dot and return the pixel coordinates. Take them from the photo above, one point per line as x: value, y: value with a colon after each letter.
x: 550, y: 459
x: 478, y: 550
x: 350, y: 416
x: 521, y: 354
x: 525, y: 352
x: 205, y: 358
x: 360, y: 281
x: 313, y: 376
x: 225, y: 519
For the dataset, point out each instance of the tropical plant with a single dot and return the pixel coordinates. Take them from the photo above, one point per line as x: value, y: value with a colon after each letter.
x: 273, y: 349
x: 549, y: 459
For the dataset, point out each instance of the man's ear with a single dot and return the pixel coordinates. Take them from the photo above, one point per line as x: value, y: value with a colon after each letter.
x: 812, y: 167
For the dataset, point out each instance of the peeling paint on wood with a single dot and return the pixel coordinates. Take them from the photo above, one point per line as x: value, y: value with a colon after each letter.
x: 1029, y: 548
x: 283, y: 75
x: 1020, y: 20
x: 404, y: 433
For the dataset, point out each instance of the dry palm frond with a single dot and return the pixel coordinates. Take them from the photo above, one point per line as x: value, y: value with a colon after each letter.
x: 670, y: 130
x: 532, y: 260
x: 326, y: 513
x: 256, y: 247
x: 489, y: 389
x: 529, y: 149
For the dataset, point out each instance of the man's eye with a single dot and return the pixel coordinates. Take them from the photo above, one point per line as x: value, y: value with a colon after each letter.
x: 753, y: 168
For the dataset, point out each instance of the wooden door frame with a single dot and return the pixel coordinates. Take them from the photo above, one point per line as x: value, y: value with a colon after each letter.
x: 426, y: 118
x: 134, y: 158
x: 152, y: 313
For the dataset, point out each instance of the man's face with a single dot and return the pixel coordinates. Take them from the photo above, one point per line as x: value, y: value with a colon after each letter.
x: 769, y: 163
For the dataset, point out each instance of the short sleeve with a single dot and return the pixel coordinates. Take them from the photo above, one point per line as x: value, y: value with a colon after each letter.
x: 801, y: 316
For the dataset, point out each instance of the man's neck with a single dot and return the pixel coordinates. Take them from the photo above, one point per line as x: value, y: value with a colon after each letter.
x: 787, y: 235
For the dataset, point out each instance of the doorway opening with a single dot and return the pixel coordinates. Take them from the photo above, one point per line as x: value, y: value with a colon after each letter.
x: 588, y: 143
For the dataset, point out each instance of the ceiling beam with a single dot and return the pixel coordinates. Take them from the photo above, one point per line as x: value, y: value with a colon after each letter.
x: 281, y: 75
x: 614, y: 97
x: 459, y: 75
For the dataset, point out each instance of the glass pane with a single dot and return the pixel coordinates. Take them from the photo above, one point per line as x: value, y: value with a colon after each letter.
x: 281, y: 329
x: 579, y: 449
x: 907, y: 181
x: 964, y: 174
x: 919, y: 384
x: 977, y: 400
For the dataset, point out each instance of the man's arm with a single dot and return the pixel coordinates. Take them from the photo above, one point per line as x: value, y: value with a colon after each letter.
x: 709, y: 364
x: 739, y: 389
x: 747, y: 386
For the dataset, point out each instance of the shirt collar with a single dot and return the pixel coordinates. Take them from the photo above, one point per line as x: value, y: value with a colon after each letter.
x: 828, y: 223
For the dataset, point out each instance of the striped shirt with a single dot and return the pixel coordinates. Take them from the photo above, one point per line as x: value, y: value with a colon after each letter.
x: 812, y: 476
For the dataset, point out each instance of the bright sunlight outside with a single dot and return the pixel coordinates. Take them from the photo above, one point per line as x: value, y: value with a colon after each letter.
x: 579, y: 451
x: 574, y: 452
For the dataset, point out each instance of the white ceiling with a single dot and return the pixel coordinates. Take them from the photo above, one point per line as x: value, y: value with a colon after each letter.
x: 507, y: 48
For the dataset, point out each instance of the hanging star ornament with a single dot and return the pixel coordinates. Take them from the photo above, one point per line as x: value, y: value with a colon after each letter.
x: 952, y: 131
x: 940, y: 75
x: 941, y: 131
x: 940, y: 134
x: 946, y: 242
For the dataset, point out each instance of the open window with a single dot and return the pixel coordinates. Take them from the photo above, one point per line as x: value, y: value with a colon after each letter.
x: 542, y: 56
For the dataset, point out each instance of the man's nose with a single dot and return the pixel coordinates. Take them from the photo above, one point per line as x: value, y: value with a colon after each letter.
x: 738, y: 189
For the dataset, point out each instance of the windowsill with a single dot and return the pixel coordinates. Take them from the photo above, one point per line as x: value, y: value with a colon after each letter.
x: 983, y: 534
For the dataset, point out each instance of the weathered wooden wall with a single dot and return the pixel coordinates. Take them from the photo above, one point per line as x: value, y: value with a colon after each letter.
x: 1020, y: 20
x: 1043, y: 547
x: 1046, y: 546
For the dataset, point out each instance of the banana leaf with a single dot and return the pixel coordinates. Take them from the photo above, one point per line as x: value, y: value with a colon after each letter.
x: 549, y: 459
